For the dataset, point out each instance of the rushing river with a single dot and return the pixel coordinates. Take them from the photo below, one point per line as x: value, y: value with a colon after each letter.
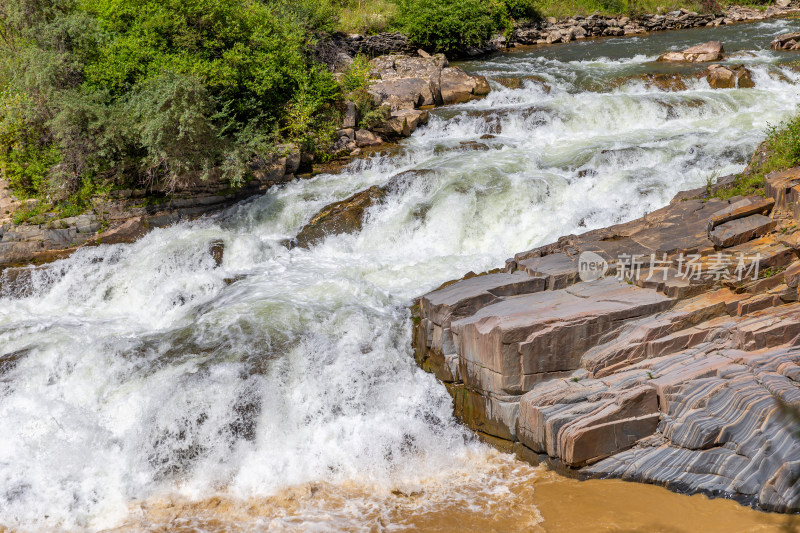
x: 146, y: 390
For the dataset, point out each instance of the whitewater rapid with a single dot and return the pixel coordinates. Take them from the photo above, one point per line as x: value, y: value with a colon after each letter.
x: 144, y: 371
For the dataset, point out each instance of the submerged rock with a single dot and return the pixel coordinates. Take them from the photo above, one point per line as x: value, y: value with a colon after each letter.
x: 346, y: 216
x: 729, y: 77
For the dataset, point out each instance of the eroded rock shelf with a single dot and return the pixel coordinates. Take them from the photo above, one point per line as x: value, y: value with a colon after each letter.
x: 652, y: 378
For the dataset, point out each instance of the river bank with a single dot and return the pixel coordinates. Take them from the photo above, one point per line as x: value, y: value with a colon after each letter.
x: 154, y: 384
x: 125, y: 215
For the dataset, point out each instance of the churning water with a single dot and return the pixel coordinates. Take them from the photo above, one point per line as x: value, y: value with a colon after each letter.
x: 140, y: 387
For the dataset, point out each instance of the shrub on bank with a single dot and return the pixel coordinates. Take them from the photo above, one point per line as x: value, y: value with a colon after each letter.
x: 450, y: 27
x: 97, y: 93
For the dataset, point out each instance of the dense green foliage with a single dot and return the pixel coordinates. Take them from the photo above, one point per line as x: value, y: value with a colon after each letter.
x: 98, y: 92
x: 455, y: 25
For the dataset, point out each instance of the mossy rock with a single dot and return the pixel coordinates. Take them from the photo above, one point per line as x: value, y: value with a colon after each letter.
x: 346, y: 216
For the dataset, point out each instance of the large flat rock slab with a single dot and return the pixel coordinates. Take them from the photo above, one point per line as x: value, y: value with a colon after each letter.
x: 508, y: 346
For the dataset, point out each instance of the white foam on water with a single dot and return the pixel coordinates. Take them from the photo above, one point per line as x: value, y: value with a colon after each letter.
x: 143, y: 373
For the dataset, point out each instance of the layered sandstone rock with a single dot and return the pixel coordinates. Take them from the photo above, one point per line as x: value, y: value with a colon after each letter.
x: 657, y: 377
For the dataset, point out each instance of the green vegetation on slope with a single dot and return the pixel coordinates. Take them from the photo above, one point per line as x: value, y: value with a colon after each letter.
x: 98, y: 93
x: 781, y: 150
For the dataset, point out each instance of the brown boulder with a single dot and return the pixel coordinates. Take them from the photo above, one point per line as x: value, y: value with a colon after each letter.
x: 729, y: 77
x: 402, y: 93
x: 346, y: 216
x: 787, y: 41
x: 710, y: 51
x: 367, y: 138
x: 402, y: 122
x: 457, y: 86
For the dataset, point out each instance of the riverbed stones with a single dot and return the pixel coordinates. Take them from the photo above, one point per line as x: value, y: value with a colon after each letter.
x: 710, y: 51
x: 729, y: 77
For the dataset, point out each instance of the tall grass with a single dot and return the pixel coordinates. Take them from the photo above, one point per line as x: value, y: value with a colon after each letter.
x: 367, y: 16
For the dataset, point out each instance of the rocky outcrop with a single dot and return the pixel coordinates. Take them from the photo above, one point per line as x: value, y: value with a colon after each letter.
x: 125, y: 215
x: 347, y: 216
x: 405, y: 82
x: 406, y: 87
x: 710, y: 51
x: 787, y: 41
x: 675, y: 368
x: 729, y: 77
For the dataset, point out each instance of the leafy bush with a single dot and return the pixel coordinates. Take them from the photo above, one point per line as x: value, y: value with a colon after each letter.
x: 451, y: 27
x: 156, y: 92
x: 523, y: 9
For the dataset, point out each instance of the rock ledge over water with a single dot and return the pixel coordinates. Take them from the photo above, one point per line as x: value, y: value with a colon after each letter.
x: 672, y: 377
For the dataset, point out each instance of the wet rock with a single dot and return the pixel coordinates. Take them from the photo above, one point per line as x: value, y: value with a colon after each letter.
x: 217, y: 251
x: 457, y: 86
x: 402, y: 122
x: 741, y: 230
x: 665, y: 82
x: 787, y: 41
x: 482, y: 87
x: 473, y: 145
x: 509, y: 83
x: 128, y: 231
x: 729, y: 77
x: 346, y: 216
x: 518, y: 83
x: 710, y: 51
